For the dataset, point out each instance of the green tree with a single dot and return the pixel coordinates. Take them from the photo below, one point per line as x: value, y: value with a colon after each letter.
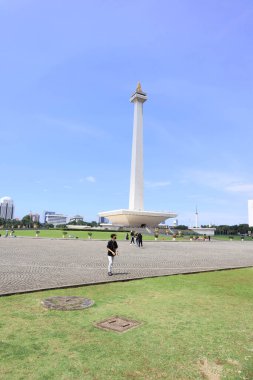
x: 27, y: 221
x: 181, y: 227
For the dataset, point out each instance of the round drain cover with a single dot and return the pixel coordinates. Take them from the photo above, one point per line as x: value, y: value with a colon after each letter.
x: 67, y: 303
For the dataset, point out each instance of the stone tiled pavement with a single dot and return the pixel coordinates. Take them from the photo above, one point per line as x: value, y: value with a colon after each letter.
x: 28, y: 264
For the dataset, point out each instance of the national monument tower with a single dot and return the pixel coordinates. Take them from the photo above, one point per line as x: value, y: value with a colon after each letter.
x: 136, y: 216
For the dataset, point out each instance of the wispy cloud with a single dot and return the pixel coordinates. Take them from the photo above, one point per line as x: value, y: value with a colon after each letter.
x: 240, y: 187
x: 72, y: 126
x: 215, y: 179
x: 88, y: 179
x: 157, y: 184
x: 219, y: 180
x: 67, y: 187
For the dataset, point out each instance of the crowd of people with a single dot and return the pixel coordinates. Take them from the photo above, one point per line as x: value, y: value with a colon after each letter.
x: 136, y: 238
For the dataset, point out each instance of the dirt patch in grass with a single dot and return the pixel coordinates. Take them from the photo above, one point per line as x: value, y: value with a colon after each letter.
x: 233, y: 362
x: 210, y: 370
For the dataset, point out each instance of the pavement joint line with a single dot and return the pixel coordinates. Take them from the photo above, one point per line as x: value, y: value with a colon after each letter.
x: 115, y: 266
x: 79, y: 285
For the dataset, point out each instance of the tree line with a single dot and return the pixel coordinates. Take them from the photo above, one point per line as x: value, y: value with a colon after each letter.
x: 237, y: 229
x: 26, y: 222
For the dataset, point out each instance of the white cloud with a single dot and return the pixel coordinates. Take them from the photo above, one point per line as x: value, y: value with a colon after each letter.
x: 240, y: 187
x: 72, y: 126
x: 90, y: 179
x: 214, y: 179
x: 219, y: 181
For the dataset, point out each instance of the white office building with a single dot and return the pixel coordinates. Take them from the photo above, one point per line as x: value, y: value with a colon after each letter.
x: 56, y: 219
x: 6, y: 208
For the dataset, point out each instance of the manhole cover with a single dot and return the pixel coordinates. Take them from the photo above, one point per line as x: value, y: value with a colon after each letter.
x: 67, y: 303
x: 118, y: 324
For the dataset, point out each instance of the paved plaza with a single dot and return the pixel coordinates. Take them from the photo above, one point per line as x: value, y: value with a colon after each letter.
x: 28, y: 264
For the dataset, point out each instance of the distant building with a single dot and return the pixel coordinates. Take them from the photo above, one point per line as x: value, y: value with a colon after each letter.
x: 6, y: 208
x: 102, y: 220
x: 35, y: 218
x: 76, y: 218
x: 46, y: 213
x: 55, y: 219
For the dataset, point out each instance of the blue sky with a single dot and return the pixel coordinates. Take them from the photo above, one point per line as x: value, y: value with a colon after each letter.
x: 67, y: 71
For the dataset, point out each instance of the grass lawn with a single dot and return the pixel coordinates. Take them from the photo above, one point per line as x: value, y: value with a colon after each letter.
x: 105, y: 235
x: 193, y: 327
x: 99, y: 235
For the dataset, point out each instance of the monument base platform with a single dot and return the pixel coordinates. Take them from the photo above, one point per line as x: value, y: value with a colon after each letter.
x: 135, y: 218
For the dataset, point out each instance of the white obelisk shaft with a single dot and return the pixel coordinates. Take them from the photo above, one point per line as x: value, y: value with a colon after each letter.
x: 136, y: 180
x: 197, y: 218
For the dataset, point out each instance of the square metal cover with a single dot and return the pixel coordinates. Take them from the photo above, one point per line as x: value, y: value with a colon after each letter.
x: 118, y: 324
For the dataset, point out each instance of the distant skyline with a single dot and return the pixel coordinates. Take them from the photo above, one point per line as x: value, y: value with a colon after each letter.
x: 67, y: 71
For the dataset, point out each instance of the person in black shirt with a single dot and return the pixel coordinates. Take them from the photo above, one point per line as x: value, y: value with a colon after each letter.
x: 112, y: 248
x: 139, y: 239
x: 132, y: 237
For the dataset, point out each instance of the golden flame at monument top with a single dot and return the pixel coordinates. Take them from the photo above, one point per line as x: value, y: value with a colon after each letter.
x: 138, y: 88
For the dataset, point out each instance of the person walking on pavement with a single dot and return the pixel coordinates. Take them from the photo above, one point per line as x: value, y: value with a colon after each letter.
x: 132, y: 237
x: 139, y: 239
x: 112, y: 251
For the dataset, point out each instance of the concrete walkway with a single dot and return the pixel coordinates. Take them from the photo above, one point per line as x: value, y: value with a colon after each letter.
x: 28, y: 264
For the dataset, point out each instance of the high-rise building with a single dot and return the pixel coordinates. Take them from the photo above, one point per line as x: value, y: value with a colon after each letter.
x: 35, y: 218
x: 6, y: 208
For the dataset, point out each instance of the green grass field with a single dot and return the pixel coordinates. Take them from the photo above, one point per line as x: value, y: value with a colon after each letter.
x: 99, y: 235
x: 59, y: 234
x: 105, y: 235
x: 192, y: 327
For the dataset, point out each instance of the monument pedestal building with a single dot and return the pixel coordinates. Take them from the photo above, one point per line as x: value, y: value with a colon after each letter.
x: 136, y: 216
